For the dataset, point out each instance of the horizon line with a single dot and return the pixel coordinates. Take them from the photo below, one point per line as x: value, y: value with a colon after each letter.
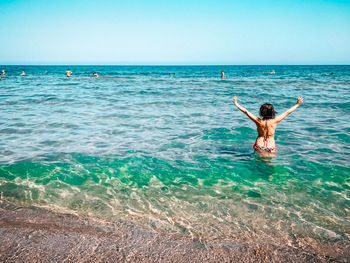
x: 167, y: 65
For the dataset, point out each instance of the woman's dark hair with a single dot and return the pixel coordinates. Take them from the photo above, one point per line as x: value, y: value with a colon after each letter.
x: 267, y: 111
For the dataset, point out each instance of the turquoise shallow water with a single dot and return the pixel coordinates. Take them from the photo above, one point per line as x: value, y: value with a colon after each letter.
x: 172, y: 152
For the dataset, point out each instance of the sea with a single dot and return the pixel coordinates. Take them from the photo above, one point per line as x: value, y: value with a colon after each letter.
x: 171, y: 151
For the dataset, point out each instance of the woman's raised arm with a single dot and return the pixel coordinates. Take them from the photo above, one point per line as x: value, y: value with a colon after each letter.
x: 245, y: 111
x: 289, y: 111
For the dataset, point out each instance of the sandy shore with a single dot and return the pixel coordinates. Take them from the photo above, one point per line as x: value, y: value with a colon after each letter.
x: 37, y: 235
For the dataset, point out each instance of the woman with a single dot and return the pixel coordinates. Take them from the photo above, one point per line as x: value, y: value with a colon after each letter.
x: 265, y: 143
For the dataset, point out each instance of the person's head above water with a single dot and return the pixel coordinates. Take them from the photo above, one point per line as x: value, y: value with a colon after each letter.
x: 267, y: 111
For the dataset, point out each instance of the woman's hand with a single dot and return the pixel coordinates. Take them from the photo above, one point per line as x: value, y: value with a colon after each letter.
x: 300, y: 100
x: 235, y: 100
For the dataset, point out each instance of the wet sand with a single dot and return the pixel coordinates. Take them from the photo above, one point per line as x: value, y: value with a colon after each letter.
x: 38, y: 235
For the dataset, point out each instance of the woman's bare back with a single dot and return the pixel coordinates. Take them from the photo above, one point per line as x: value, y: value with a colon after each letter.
x: 266, y: 133
x: 266, y: 127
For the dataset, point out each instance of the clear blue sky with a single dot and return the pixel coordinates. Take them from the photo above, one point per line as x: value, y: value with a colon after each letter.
x: 174, y: 32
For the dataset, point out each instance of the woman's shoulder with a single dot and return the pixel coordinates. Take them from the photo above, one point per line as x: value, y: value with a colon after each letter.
x: 268, y: 122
